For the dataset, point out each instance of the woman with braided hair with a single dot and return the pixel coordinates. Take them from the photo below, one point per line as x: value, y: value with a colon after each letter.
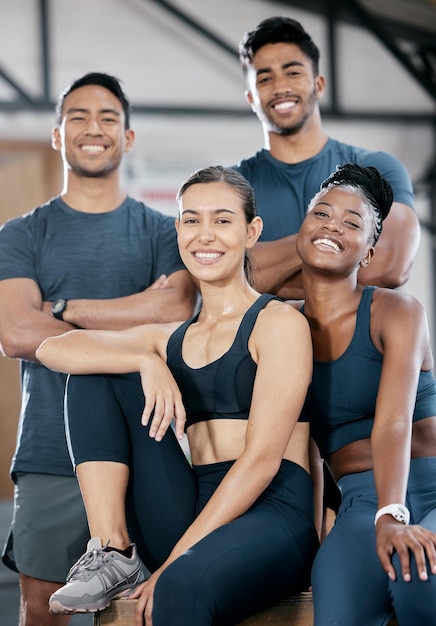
x: 372, y: 407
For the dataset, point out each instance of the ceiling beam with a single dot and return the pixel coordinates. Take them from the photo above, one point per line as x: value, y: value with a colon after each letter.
x: 24, y: 97
x: 44, y: 24
x: 374, y: 26
x: 197, y: 26
x: 25, y: 102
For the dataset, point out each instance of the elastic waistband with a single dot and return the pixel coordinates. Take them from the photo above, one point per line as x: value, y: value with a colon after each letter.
x: 222, y: 467
x: 420, y: 470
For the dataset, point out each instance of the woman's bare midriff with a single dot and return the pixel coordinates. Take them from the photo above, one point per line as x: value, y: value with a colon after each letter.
x: 357, y: 457
x: 211, y: 442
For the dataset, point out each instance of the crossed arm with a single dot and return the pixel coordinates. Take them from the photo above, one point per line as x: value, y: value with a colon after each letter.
x: 168, y: 299
x: 25, y: 320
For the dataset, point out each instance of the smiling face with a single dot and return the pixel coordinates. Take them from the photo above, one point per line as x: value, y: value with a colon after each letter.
x: 92, y: 137
x: 213, y: 233
x: 282, y: 88
x: 337, y: 232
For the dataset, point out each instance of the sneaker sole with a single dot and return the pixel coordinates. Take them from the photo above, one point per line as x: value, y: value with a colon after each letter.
x: 58, y: 608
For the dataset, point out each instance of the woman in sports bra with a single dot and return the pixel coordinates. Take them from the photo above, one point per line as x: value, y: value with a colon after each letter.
x: 234, y: 531
x: 372, y: 405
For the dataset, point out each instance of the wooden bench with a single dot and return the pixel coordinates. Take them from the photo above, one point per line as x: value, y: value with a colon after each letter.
x: 293, y: 611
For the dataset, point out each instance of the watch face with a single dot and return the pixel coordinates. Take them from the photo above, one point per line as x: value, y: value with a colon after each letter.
x: 58, y: 306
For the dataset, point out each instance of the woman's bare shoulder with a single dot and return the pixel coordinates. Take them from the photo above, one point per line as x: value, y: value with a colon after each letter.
x: 279, y: 314
x: 394, y: 301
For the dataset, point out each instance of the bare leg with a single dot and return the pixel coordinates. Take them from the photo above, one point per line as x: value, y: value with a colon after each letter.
x: 103, y: 485
x: 34, y: 611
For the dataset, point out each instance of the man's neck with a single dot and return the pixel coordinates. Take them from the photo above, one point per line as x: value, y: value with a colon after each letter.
x: 93, y: 195
x: 304, y: 144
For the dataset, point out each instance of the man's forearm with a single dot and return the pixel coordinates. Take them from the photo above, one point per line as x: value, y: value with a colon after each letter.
x: 395, y: 251
x: 275, y: 263
x: 171, y: 303
x: 291, y: 289
x: 24, y: 338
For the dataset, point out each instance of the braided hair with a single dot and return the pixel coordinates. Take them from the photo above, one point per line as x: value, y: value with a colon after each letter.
x: 374, y: 189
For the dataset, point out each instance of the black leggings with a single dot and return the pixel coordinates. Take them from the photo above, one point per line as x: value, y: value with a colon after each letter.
x: 237, y: 569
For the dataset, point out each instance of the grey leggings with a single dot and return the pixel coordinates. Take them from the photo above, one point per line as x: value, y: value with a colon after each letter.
x: 237, y: 569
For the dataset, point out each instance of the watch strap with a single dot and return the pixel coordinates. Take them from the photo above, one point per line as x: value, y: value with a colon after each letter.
x: 398, y: 511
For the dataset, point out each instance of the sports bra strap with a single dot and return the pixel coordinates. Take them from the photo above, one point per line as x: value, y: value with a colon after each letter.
x: 249, y: 320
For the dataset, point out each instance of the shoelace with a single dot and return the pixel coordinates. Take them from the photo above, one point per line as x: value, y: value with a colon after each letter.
x: 91, y: 560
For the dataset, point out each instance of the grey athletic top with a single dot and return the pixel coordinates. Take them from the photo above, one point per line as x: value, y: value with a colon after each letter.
x: 284, y: 190
x: 74, y: 255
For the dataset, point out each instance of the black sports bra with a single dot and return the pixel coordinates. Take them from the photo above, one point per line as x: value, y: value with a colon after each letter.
x: 221, y: 389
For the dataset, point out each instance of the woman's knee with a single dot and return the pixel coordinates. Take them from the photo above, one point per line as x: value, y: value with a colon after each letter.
x: 414, y: 601
x: 178, y: 598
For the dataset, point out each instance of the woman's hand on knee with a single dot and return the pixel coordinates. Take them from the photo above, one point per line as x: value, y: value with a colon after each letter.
x: 393, y: 536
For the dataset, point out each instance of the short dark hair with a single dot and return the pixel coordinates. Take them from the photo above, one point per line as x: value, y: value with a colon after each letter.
x: 279, y: 29
x: 239, y: 184
x: 103, y: 80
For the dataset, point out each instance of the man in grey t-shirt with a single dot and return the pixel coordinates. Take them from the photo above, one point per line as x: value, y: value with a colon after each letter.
x: 280, y: 62
x: 90, y: 258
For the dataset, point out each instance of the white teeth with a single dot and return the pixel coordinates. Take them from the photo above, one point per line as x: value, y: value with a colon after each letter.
x: 284, y: 106
x: 328, y: 242
x: 94, y: 149
x: 207, y: 255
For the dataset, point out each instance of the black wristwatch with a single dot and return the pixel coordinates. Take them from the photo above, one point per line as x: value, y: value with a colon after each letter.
x: 58, y: 307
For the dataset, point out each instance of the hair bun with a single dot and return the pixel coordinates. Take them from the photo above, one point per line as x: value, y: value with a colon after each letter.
x: 376, y: 188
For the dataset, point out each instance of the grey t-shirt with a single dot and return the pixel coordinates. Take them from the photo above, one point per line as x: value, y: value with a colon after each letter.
x: 75, y: 255
x: 283, y: 190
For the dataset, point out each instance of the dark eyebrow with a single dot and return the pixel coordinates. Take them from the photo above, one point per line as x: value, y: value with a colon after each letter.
x: 76, y: 110
x: 356, y: 213
x: 215, y: 212
x: 285, y: 66
x: 73, y: 110
x: 110, y: 111
x: 292, y: 64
